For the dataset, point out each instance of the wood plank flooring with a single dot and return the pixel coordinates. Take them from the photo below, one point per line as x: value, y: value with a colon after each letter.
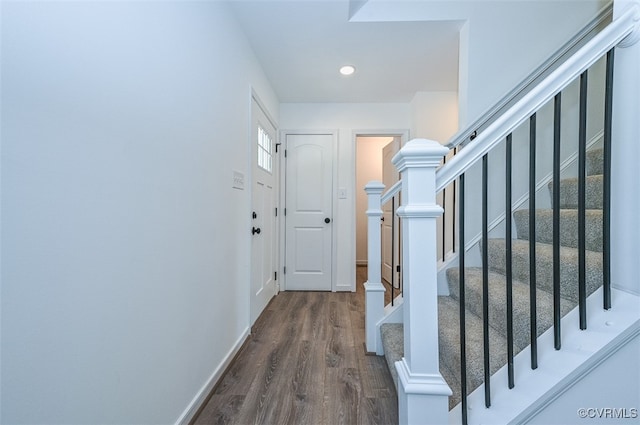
x: 305, y: 364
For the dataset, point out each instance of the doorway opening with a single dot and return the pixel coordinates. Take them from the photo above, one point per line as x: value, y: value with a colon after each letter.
x: 373, y: 156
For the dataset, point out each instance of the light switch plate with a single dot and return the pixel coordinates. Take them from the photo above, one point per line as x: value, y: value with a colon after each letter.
x: 238, y: 180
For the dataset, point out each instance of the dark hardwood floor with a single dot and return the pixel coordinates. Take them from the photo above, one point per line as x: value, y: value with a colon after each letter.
x: 305, y: 363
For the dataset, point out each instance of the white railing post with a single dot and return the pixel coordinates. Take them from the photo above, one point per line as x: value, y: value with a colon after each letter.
x: 423, y: 394
x: 374, y: 290
x: 625, y: 156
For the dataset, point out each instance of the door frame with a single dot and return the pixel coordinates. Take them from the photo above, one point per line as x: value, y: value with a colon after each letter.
x: 283, y: 202
x: 403, y: 134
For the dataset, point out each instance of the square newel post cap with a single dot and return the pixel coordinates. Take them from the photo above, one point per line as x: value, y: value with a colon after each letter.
x: 374, y: 187
x: 420, y: 153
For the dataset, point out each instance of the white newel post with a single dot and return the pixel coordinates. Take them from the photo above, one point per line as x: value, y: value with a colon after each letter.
x: 423, y: 394
x: 374, y: 290
x: 625, y: 157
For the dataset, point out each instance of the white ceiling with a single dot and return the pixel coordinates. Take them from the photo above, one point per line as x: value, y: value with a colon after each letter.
x: 301, y: 44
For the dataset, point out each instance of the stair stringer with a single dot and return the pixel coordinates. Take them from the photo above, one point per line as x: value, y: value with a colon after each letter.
x: 392, y: 314
x: 558, y: 372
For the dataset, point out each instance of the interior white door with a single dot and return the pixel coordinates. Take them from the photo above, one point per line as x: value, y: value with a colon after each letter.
x: 309, y: 218
x: 391, y: 223
x: 264, y: 195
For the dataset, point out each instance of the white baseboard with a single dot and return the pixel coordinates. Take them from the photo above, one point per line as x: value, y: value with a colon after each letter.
x: 202, y: 395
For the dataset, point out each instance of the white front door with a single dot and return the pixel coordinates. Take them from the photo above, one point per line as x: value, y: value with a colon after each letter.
x: 391, y: 223
x: 263, y: 230
x: 309, y: 212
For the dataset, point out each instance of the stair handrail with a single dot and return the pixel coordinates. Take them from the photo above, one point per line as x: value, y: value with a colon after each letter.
x: 391, y: 192
x: 471, y: 131
x: 561, y: 77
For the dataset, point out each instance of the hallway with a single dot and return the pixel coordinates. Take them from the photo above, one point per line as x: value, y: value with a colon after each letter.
x: 305, y: 364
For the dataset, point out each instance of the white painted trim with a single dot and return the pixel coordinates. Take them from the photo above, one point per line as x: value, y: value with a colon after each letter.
x: 201, y: 396
x: 265, y: 110
x: 391, y: 192
x: 391, y: 314
x: 281, y: 207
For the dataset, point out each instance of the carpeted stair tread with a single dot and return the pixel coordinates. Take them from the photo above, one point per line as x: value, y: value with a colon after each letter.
x: 595, y: 161
x: 393, y: 345
x: 449, y: 338
x: 569, y: 192
x: 568, y: 227
x: 498, y: 303
x: 544, y: 266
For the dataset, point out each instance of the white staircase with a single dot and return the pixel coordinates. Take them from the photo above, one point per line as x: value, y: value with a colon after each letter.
x: 426, y: 360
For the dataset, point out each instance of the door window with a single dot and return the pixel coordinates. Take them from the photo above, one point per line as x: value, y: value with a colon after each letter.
x: 265, y: 156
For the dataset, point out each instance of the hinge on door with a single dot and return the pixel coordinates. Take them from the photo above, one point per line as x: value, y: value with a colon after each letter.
x: 285, y: 153
x: 284, y: 271
x: 276, y: 211
x: 398, y: 268
x: 285, y: 212
x: 275, y: 275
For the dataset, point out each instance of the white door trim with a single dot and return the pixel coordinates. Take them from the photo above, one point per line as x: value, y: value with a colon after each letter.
x: 404, y: 138
x: 283, y: 190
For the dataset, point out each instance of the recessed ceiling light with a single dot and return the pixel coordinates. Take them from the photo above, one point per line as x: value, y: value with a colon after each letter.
x: 347, y: 70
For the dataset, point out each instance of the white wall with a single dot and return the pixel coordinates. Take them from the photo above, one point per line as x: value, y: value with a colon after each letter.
x: 501, y: 42
x: 368, y: 168
x: 507, y: 40
x: 348, y: 119
x: 434, y: 115
x: 123, y: 246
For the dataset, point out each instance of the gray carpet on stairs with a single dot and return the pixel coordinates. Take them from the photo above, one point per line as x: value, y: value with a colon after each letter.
x: 448, y: 307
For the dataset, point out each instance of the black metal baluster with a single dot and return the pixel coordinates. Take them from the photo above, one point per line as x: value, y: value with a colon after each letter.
x: 485, y: 281
x: 509, y: 263
x: 532, y: 241
x: 557, y: 104
x: 606, y: 189
x: 463, y: 339
x: 393, y: 248
x: 582, y: 154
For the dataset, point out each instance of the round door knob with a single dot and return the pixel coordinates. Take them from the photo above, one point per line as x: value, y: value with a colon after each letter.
x: 255, y: 230
x: 327, y: 220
